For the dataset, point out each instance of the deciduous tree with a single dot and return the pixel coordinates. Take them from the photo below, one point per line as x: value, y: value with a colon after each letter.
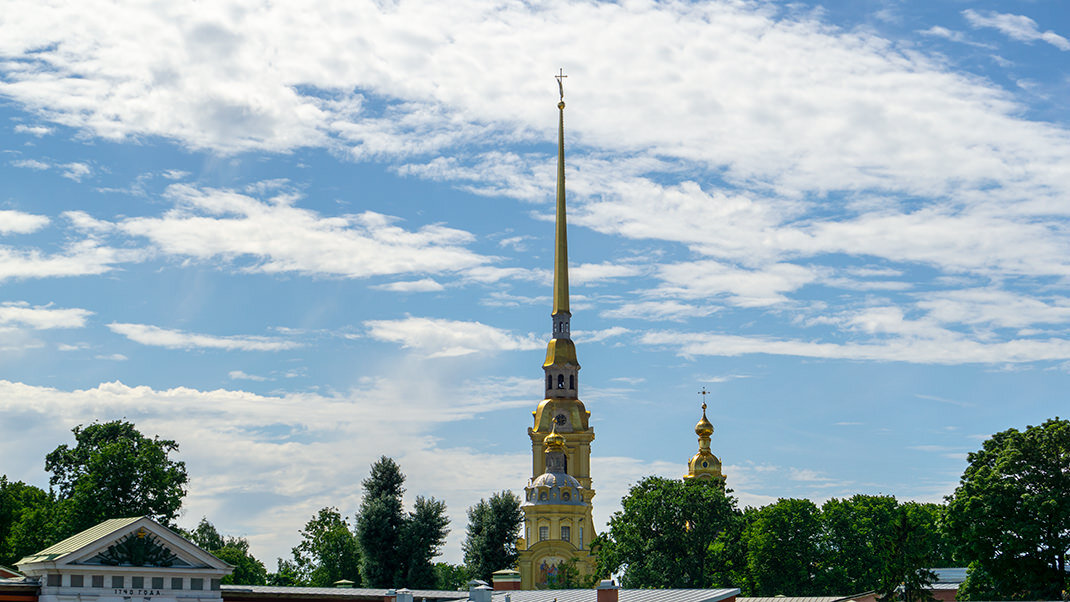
x: 493, y: 526
x: 1010, y: 514
x: 328, y: 551
x: 114, y: 471
x: 667, y: 534
x: 783, y: 549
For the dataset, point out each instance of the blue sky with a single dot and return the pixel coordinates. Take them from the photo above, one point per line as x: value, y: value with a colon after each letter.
x: 297, y: 236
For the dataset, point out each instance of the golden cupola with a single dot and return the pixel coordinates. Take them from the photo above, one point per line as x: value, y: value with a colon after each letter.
x: 704, y: 465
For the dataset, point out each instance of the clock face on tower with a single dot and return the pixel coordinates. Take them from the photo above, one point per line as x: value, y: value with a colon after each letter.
x: 560, y: 419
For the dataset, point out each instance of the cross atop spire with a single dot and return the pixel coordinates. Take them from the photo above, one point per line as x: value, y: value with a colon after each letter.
x: 703, y: 393
x: 560, y: 86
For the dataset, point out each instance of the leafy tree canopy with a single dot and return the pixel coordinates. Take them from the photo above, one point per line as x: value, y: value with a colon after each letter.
x: 328, y: 551
x: 397, y: 548
x: 27, y: 520
x: 783, y: 551
x: 450, y: 577
x: 1010, y: 514
x: 232, y: 550
x: 493, y: 526
x: 667, y: 534
x: 115, y: 471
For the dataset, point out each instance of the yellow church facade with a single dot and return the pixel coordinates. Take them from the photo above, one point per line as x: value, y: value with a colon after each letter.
x: 558, y: 526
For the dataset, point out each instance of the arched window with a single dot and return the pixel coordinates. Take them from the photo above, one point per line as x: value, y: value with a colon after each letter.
x: 549, y: 381
x: 571, y: 381
x: 565, y: 495
x: 560, y: 381
x: 542, y: 496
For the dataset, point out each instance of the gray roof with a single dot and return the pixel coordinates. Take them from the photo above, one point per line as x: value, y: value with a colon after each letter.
x: 950, y: 575
x: 624, y: 595
x: 235, y: 591
x: 79, y: 541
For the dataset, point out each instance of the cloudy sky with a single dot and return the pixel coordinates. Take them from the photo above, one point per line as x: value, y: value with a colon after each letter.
x: 297, y: 236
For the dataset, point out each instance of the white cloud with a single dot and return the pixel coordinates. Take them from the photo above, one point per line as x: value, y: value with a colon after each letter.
x: 80, y: 258
x: 75, y: 171
x: 114, y: 357
x: 448, y: 338
x: 33, y: 130
x: 240, y: 375
x: 941, y: 347
x: 424, y: 285
x: 31, y: 164
x: 594, y: 336
x: 42, y: 317
x: 744, y: 287
x: 177, y: 339
x: 17, y: 222
x: 1017, y: 27
x: 280, y: 237
x: 995, y: 307
x: 658, y: 310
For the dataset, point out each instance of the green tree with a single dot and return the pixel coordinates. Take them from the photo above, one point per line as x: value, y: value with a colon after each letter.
x: 232, y: 550
x: 247, y: 569
x: 855, y: 534
x: 569, y: 577
x: 493, y: 526
x: 205, y: 536
x: 668, y: 533
x: 422, y: 536
x: 1010, y: 514
x: 908, y: 551
x: 114, y: 471
x: 451, y: 576
x: 397, y: 549
x: 328, y: 551
x: 379, y: 524
x: 783, y: 549
x: 27, y: 520
x: 286, y: 575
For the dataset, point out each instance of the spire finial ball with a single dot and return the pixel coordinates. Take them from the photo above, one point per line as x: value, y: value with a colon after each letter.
x: 561, y: 105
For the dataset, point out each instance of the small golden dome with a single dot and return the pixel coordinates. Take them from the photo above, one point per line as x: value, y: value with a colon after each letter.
x: 553, y: 441
x: 704, y: 428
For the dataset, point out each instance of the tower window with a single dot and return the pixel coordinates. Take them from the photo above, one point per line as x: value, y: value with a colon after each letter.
x: 565, y: 495
x: 544, y: 533
x: 560, y: 381
x: 549, y: 381
x: 565, y: 532
x: 571, y: 381
x: 542, y: 496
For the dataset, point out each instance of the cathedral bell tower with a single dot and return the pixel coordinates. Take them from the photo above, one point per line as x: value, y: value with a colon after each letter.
x: 557, y: 507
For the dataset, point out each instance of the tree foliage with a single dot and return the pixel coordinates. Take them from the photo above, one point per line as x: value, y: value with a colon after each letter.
x: 422, y: 535
x: 1010, y: 514
x: 232, y: 550
x: 27, y: 520
x: 328, y: 551
x: 449, y: 577
x: 783, y: 549
x: 904, y: 576
x: 397, y: 548
x: 114, y: 471
x: 668, y: 534
x: 493, y: 526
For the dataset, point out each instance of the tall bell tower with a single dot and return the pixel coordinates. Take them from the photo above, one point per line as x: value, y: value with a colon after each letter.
x: 558, y: 525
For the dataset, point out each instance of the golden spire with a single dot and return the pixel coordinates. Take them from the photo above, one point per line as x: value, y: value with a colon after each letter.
x: 704, y: 465
x: 561, y: 246
x: 554, y: 442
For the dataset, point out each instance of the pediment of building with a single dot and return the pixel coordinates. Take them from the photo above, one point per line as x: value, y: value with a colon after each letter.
x: 138, y: 542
